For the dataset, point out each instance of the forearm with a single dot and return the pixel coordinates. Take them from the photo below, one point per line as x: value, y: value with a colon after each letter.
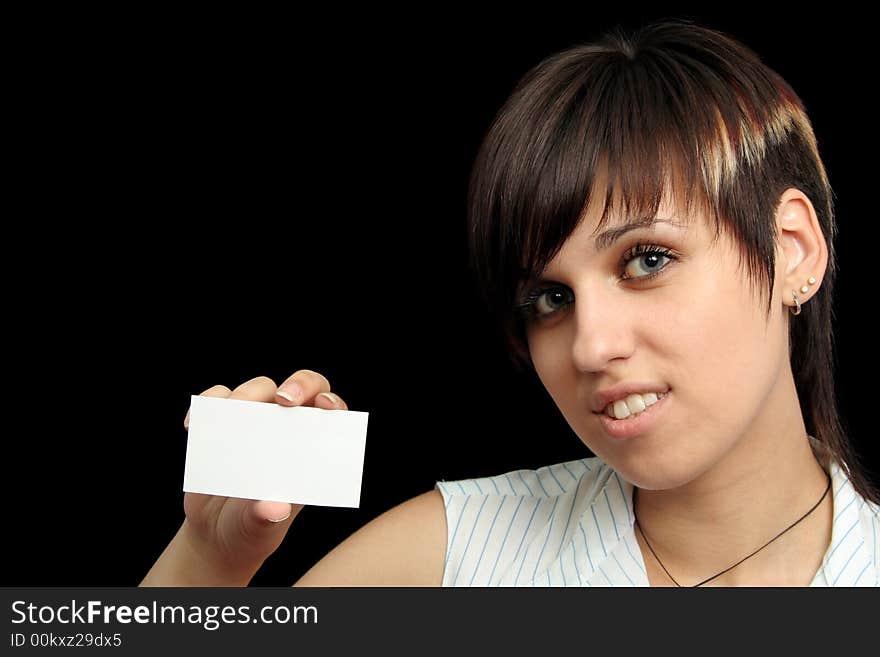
x: 186, y: 562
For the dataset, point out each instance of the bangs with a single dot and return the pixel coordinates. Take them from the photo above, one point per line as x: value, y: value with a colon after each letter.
x: 616, y: 157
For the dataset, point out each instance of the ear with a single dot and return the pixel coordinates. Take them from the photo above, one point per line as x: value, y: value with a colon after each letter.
x: 801, y: 249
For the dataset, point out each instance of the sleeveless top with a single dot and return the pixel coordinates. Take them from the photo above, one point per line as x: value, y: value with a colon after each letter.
x: 571, y: 524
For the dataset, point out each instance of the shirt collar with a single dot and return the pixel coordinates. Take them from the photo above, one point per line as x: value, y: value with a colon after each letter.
x: 615, y: 557
x: 848, y: 560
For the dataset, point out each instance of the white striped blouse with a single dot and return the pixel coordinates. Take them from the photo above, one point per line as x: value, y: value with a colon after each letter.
x: 571, y: 524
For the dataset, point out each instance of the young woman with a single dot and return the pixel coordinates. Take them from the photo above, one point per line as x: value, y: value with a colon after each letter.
x: 653, y: 230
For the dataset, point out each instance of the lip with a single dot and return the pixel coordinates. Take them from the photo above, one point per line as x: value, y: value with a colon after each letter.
x: 634, y: 426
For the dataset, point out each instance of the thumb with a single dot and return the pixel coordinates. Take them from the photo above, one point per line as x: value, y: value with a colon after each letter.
x: 272, y: 512
x: 263, y: 526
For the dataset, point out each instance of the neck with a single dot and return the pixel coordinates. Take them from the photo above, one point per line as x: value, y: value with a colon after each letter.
x: 764, y: 484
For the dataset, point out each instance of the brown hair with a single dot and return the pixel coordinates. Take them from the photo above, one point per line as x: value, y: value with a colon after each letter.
x: 671, y: 101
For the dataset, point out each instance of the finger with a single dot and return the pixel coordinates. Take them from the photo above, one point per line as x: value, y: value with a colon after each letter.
x: 301, y: 388
x: 260, y: 388
x: 330, y: 401
x: 213, y: 391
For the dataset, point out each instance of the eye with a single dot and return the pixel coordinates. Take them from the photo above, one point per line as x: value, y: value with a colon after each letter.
x: 543, y: 302
x: 653, y: 258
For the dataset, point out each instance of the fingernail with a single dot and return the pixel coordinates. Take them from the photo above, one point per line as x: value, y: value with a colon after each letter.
x: 280, y: 519
x: 329, y: 397
x: 291, y: 392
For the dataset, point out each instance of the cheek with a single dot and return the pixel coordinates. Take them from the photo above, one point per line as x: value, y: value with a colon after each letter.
x: 550, y: 358
x: 726, y: 349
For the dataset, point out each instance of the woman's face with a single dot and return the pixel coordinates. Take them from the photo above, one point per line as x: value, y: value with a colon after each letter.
x: 695, y: 327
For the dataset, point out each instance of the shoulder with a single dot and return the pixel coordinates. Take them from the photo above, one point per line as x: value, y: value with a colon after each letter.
x: 545, y: 482
x: 404, y: 546
x: 527, y: 526
x: 870, y: 510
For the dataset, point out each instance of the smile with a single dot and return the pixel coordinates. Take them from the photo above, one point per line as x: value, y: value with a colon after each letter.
x: 633, y: 405
x: 635, y: 423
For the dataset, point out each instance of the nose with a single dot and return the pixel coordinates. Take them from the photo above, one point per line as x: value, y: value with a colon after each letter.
x: 603, y: 331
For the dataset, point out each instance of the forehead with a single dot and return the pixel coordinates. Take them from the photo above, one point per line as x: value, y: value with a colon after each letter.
x: 592, y: 236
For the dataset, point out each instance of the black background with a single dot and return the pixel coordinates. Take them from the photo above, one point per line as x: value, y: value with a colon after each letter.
x: 207, y: 198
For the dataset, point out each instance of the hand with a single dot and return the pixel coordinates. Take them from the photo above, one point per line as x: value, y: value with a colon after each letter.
x: 237, y: 535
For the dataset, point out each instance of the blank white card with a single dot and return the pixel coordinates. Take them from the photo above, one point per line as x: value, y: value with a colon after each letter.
x: 265, y: 451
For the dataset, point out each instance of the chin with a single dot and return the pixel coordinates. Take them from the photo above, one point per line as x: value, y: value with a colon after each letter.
x: 651, y: 473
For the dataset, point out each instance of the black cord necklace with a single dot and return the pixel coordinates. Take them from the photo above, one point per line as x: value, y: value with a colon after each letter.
x: 741, y: 560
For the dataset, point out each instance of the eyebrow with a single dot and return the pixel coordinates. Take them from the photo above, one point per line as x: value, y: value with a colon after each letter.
x: 609, y: 237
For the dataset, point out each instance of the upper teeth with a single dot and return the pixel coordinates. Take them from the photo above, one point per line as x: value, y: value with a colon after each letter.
x: 632, y: 405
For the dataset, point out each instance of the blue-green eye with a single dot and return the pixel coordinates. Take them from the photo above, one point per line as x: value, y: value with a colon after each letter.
x: 654, y: 258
